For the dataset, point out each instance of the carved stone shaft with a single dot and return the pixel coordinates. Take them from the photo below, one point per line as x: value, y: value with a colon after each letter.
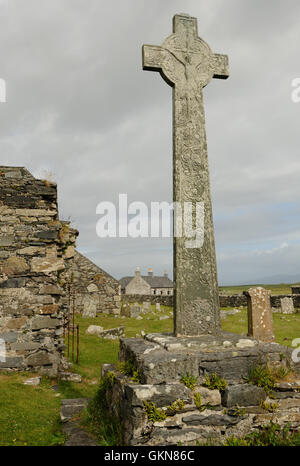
x: 187, y: 63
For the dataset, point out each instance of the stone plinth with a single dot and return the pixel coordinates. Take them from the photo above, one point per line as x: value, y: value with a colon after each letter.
x: 163, y: 357
x: 260, y: 321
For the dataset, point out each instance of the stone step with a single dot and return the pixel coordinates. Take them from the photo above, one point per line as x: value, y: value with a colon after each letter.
x: 70, y: 376
x: 76, y: 435
x: 72, y: 407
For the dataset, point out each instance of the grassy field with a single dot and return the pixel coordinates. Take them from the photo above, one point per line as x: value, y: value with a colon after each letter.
x: 30, y: 415
x: 275, y: 289
x: 286, y: 327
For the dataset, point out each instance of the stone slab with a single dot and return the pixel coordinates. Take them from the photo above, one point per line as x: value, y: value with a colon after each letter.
x: 72, y: 407
x: 11, y: 362
x: 243, y: 395
x: 161, y: 395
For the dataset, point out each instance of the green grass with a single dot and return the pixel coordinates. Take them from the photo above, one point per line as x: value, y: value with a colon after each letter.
x: 270, y: 435
x: 28, y: 415
x: 286, y: 327
x: 283, y: 288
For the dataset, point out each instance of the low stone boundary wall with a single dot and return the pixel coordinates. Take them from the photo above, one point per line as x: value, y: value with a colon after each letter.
x: 153, y: 299
x: 235, y: 300
x: 238, y: 300
x: 275, y: 300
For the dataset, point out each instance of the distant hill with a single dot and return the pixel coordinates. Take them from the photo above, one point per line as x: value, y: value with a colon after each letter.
x: 275, y: 280
x: 275, y: 288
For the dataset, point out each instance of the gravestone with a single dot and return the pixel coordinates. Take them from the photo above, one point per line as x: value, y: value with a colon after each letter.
x: 187, y: 64
x: 131, y: 311
x: 135, y: 310
x: 89, y: 307
x: 260, y: 321
x: 287, y: 306
x: 146, y: 307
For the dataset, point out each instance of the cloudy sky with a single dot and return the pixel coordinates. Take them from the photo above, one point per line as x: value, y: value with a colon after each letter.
x: 81, y: 110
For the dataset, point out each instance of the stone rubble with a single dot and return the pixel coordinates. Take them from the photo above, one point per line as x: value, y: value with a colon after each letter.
x: 34, y: 381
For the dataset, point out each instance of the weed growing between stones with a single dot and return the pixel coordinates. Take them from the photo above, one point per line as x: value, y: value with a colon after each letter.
x: 198, y: 400
x: 189, y: 380
x: 129, y: 369
x: 178, y: 405
x: 281, y: 373
x: 214, y: 382
x: 106, y: 427
x: 154, y: 414
x: 125, y: 367
x: 235, y: 411
x: 136, y: 376
x: 269, y: 407
x: 261, y: 376
x: 269, y: 435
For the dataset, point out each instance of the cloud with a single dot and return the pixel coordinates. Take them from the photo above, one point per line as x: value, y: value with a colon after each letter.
x: 80, y: 106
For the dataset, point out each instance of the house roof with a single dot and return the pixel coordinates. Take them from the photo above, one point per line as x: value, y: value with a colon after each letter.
x: 124, y: 281
x: 153, y: 281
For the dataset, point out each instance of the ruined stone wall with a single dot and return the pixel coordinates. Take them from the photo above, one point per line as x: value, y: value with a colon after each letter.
x: 95, y: 290
x: 36, y: 250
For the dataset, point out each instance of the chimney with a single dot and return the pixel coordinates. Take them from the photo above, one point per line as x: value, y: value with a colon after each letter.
x: 137, y: 272
x: 166, y: 274
x: 150, y: 273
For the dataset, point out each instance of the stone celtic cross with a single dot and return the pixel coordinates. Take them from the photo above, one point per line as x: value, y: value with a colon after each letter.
x: 187, y: 63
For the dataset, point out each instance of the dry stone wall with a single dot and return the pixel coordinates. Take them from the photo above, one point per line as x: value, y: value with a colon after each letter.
x: 238, y: 300
x: 36, y: 252
x: 153, y: 299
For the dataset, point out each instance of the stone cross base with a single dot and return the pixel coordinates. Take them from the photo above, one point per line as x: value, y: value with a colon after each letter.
x: 163, y: 359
